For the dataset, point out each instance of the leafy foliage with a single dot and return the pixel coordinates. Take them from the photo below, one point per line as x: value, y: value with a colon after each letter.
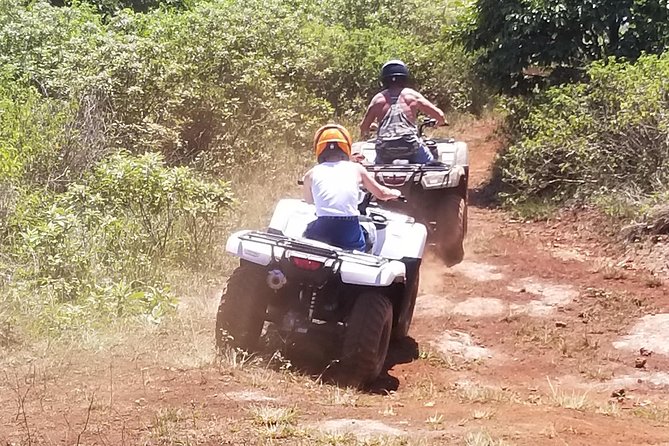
x: 114, y: 233
x: 115, y: 115
x: 516, y: 34
x: 610, y: 135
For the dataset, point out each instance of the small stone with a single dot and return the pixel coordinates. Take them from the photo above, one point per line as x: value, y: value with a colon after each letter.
x: 560, y: 324
x: 640, y: 363
x: 620, y: 393
x: 645, y: 352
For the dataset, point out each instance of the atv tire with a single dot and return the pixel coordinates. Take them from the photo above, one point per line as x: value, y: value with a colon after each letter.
x: 241, y: 313
x: 366, y: 339
x: 401, y: 329
x: 452, y: 213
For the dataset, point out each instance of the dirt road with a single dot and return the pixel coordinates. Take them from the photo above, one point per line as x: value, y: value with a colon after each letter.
x: 535, y: 339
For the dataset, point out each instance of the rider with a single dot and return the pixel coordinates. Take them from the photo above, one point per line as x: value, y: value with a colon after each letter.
x: 395, y: 109
x: 333, y: 186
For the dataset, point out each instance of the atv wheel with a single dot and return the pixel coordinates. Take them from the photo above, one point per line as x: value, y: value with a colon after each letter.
x: 241, y: 313
x: 366, y: 339
x: 401, y: 329
x: 451, y: 228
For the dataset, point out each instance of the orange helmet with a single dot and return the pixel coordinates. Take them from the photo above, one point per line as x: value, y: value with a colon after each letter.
x: 332, y: 133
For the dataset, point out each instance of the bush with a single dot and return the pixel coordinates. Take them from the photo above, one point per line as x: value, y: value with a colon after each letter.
x: 116, y: 114
x: 104, y: 245
x: 609, y: 135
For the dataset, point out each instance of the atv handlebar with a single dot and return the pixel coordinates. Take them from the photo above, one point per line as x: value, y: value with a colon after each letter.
x: 427, y: 122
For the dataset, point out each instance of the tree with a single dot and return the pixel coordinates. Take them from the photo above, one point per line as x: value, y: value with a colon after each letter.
x: 111, y: 7
x: 516, y: 34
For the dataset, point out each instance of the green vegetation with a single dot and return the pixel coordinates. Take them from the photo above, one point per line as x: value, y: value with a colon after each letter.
x: 120, y: 119
x: 606, y: 138
x: 587, y: 122
x: 514, y: 35
x: 126, y: 126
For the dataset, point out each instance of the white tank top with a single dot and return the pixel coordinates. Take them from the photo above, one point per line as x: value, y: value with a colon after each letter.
x: 335, y: 189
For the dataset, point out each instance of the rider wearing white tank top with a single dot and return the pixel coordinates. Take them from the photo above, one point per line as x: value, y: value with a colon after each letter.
x: 335, y: 187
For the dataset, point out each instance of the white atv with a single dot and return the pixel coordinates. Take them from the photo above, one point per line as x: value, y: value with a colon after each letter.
x: 437, y: 191
x: 357, y: 301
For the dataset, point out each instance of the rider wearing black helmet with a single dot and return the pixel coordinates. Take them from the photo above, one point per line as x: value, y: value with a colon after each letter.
x: 395, y: 108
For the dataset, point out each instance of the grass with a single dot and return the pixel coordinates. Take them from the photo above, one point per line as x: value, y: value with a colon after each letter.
x: 533, y: 210
x: 435, y: 420
x: 593, y: 371
x: 653, y: 413
x: 266, y: 415
x: 482, y: 438
x: 336, y: 396
x: 610, y: 408
x: 183, y: 342
x: 276, y: 422
x: 426, y: 389
x: 476, y: 393
x: 449, y: 362
x: 566, y: 400
x: 482, y: 414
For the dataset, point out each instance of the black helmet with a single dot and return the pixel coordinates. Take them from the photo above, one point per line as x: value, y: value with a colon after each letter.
x: 394, y: 70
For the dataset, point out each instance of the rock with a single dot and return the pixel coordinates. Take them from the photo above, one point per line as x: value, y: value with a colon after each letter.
x: 645, y: 352
x: 640, y: 363
x: 620, y: 393
x: 560, y: 324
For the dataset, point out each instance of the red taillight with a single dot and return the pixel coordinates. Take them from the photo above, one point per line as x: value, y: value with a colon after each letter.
x: 394, y: 180
x: 309, y: 265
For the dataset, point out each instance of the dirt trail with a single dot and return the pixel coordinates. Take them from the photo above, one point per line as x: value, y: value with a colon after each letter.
x: 523, y: 343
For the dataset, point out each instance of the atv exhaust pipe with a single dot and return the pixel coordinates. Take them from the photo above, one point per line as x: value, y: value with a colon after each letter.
x: 276, y: 279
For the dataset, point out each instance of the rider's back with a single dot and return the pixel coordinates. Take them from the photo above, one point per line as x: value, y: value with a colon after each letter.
x: 335, y: 188
x: 407, y: 99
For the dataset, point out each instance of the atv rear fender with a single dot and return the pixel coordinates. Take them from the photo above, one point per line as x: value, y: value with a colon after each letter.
x: 354, y: 268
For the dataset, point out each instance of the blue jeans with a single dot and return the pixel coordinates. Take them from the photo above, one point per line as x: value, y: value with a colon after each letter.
x: 343, y: 232
x: 423, y: 156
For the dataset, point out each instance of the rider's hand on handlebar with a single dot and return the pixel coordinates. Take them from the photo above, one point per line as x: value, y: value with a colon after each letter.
x: 358, y: 157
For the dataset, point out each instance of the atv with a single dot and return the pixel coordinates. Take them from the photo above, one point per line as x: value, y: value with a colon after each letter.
x: 437, y: 191
x: 355, y: 302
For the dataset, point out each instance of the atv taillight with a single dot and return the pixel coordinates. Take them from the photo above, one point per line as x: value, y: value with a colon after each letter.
x: 394, y: 179
x: 309, y: 265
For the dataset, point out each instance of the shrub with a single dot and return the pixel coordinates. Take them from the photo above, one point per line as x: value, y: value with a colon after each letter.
x: 113, y: 122
x: 607, y: 135
x: 104, y: 244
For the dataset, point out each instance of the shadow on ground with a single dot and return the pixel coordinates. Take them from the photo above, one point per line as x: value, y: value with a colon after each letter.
x: 400, y: 352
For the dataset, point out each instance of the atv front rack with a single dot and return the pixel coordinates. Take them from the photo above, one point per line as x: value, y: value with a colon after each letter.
x: 291, y: 244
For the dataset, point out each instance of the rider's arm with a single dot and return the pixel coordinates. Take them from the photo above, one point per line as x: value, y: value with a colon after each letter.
x: 378, y: 190
x: 370, y: 116
x: 430, y: 109
x: 306, y: 188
